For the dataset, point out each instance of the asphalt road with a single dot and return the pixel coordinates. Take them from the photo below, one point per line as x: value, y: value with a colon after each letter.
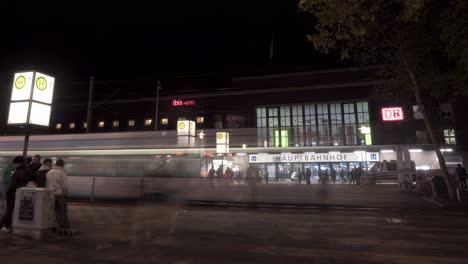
x: 152, y: 233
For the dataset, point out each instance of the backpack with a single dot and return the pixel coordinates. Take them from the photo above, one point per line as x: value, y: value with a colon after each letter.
x: 7, y: 173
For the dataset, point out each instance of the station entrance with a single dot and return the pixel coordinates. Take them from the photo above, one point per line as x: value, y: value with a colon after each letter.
x: 338, y: 172
x: 334, y: 167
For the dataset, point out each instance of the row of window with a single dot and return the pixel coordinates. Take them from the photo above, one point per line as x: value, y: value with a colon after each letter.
x: 314, y: 124
x: 446, y: 111
x: 449, y: 136
x: 131, y: 123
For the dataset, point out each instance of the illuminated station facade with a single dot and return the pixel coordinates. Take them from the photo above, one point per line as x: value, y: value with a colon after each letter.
x: 279, y: 123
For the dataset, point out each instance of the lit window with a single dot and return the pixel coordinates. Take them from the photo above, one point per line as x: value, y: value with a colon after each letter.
x: 101, y: 124
x: 71, y: 125
x: 446, y: 110
x: 85, y: 125
x: 449, y: 136
x: 131, y: 123
x: 200, y: 119
x: 58, y: 126
x: 164, y: 121
x: 417, y: 113
x: 115, y: 123
x: 148, y: 122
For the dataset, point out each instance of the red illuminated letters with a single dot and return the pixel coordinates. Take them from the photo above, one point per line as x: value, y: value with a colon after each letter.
x: 177, y: 102
x: 392, y: 114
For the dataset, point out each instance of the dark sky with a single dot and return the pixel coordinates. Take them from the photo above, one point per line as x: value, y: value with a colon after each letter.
x: 73, y: 40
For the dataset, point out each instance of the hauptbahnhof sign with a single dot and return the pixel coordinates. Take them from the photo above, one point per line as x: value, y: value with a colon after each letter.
x: 315, y: 157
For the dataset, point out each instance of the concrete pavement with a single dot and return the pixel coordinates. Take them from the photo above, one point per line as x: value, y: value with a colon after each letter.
x: 145, y: 233
x: 381, y: 196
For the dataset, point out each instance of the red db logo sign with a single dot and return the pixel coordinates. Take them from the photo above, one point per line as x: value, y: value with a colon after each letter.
x: 392, y: 114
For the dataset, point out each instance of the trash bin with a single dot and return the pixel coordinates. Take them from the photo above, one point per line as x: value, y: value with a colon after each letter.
x: 34, y: 212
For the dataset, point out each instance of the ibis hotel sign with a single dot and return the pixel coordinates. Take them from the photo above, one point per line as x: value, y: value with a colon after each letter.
x: 392, y: 114
x: 314, y: 157
x: 31, y: 99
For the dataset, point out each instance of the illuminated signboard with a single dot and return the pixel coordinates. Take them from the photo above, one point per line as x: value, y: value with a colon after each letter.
x: 32, y: 92
x: 185, y: 128
x: 177, y: 102
x: 392, y: 114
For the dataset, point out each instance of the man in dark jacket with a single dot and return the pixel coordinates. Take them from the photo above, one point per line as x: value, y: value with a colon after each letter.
x: 18, y: 179
x: 35, y: 166
x: 308, y: 174
x: 42, y: 173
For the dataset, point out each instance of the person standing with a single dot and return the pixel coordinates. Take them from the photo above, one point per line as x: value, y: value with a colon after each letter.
x: 461, y: 173
x: 34, y: 166
x: 308, y: 174
x: 212, y: 175
x: 352, y: 175
x: 333, y: 174
x: 5, y: 182
x: 41, y: 174
x: 18, y: 179
x: 219, y: 172
x: 359, y: 173
x: 56, y: 180
x: 299, y: 176
x: 343, y: 175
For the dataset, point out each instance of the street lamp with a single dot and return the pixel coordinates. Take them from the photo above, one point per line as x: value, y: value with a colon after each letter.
x: 158, y: 88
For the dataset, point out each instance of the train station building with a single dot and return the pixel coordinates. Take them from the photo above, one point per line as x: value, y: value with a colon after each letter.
x: 280, y: 123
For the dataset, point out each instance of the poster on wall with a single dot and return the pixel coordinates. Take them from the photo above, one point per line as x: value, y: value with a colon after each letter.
x: 27, y: 203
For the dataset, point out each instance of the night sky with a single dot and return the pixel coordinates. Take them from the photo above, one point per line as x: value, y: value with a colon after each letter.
x: 73, y: 40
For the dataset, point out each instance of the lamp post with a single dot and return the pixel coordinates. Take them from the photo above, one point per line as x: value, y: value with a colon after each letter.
x: 158, y: 88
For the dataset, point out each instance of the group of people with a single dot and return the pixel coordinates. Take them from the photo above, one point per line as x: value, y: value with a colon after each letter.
x: 219, y: 173
x: 353, y: 176
x: 31, y: 172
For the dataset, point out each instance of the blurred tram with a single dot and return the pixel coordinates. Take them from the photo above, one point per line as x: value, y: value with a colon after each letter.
x: 118, y: 165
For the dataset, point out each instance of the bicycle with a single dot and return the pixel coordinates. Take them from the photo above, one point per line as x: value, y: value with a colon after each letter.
x: 408, y: 185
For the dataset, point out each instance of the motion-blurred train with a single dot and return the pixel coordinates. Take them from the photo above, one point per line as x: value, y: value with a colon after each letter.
x: 114, y: 165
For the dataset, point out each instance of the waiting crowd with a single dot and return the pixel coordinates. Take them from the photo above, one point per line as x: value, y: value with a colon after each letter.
x: 32, y: 173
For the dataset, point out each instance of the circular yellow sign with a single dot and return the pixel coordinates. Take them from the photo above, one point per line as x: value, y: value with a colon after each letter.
x: 181, y: 126
x: 191, y: 126
x: 41, y: 83
x: 219, y: 136
x: 20, y: 82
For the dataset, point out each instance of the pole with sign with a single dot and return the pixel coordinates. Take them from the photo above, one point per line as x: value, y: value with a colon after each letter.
x: 222, y: 145
x: 30, y: 102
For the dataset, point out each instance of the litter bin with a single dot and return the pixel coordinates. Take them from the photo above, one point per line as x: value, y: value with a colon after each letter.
x: 34, y: 212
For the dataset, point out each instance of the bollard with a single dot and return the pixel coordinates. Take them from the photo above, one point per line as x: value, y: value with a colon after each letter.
x: 434, y: 193
x: 142, y: 189
x: 92, y: 189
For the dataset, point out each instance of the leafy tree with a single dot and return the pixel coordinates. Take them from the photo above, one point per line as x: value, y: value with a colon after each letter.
x: 420, y: 44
